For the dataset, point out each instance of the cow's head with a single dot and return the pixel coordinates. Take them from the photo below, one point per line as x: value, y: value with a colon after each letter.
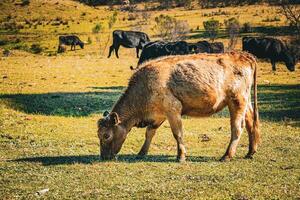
x: 111, y: 135
x: 81, y: 44
x: 290, y: 61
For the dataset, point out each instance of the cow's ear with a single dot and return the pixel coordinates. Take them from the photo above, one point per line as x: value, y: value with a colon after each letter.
x: 114, y: 118
x: 105, y: 113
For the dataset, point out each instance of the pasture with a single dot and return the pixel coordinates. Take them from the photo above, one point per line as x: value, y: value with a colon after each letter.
x: 50, y: 103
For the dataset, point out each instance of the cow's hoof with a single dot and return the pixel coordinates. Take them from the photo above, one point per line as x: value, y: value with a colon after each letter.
x: 225, y: 159
x: 249, y: 156
x: 141, y: 155
x: 181, y: 160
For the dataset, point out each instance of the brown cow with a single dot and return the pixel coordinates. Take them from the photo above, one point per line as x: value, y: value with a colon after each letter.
x: 194, y: 85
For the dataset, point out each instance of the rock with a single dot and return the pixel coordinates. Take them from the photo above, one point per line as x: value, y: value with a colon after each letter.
x: 42, y: 192
x: 267, y: 82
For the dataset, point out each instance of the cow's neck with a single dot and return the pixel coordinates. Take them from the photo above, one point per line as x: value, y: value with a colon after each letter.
x: 127, y: 111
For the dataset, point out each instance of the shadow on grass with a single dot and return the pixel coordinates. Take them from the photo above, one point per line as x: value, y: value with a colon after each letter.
x: 90, y: 159
x: 276, y: 102
x: 65, y: 104
x: 259, y: 30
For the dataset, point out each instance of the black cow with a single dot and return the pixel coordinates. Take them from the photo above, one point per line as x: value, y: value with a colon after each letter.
x: 216, y: 47
x: 159, y: 48
x: 72, y: 40
x: 270, y: 48
x: 199, y: 47
x: 206, y: 47
x: 128, y: 39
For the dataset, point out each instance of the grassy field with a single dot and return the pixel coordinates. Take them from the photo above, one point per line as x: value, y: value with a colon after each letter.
x: 49, y: 106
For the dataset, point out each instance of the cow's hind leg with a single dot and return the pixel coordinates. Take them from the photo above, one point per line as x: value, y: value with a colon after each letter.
x: 111, y: 49
x: 150, y: 132
x: 176, y: 126
x: 117, y: 50
x: 253, y: 133
x: 237, y: 108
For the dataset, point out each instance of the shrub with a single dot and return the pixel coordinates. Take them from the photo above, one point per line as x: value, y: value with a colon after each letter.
x: 36, y: 48
x: 6, y: 52
x: 247, y: 28
x: 25, y: 2
x: 132, y: 17
x: 97, y: 28
x: 112, y: 19
x: 3, y: 42
x: 233, y: 30
x: 89, y: 40
x: 211, y: 27
x: 166, y: 4
x: 170, y: 29
x: 187, y: 4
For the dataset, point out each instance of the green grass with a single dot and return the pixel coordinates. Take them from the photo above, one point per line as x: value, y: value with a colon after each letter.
x: 49, y: 106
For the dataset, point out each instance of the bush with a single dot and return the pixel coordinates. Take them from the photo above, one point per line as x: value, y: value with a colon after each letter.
x: 6, y: 52
x: 10, y: 26
x: 25, y: 2
x: 35, y: 48
x: 3, y: 42
x: 97, y: 28
x: 170, y: 29
x: 233, y: 30
x: 247, y: 28
x: 187, y: 4
x: 132, y: 17
x: 89, y: 40
x: 211, y: 27
x: 165, y: 4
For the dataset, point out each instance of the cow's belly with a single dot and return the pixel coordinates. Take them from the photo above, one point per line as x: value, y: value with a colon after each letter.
x: 204, y: 105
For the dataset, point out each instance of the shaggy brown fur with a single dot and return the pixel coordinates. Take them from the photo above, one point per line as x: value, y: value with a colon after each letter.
x: 194, y: 85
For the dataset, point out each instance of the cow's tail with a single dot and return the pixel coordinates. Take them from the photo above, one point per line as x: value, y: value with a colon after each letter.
x: 255, y: 107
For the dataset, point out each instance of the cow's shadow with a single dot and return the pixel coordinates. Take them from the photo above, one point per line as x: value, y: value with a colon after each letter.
x: 91, y: 159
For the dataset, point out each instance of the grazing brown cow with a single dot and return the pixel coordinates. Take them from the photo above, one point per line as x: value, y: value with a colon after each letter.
x: 195, y: 85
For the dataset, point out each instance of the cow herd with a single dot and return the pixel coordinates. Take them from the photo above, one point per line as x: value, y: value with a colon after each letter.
x: 180, y: 78
x: 265, y: 48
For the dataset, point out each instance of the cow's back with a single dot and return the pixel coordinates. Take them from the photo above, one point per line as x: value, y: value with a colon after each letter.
x: 263, y: 47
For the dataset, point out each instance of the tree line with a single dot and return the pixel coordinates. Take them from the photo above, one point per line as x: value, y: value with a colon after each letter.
x: 187, y: 3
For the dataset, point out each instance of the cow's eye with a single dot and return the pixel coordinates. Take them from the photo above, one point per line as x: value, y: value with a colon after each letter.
x: 106, y: 136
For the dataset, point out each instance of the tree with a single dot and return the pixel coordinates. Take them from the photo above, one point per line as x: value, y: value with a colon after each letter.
x: 233, y: 30
x: 211, y: 27
x: 170, y: 29
x: 292, y: 13
x: 111, y: 22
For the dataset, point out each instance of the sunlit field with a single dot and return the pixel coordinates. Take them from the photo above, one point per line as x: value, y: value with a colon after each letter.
x: 50, y: 103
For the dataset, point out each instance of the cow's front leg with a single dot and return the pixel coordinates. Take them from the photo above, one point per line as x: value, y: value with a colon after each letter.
x: 273, y: 65
x: 237, y: 109
x: 176, y: 126
x: 150, y: 132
